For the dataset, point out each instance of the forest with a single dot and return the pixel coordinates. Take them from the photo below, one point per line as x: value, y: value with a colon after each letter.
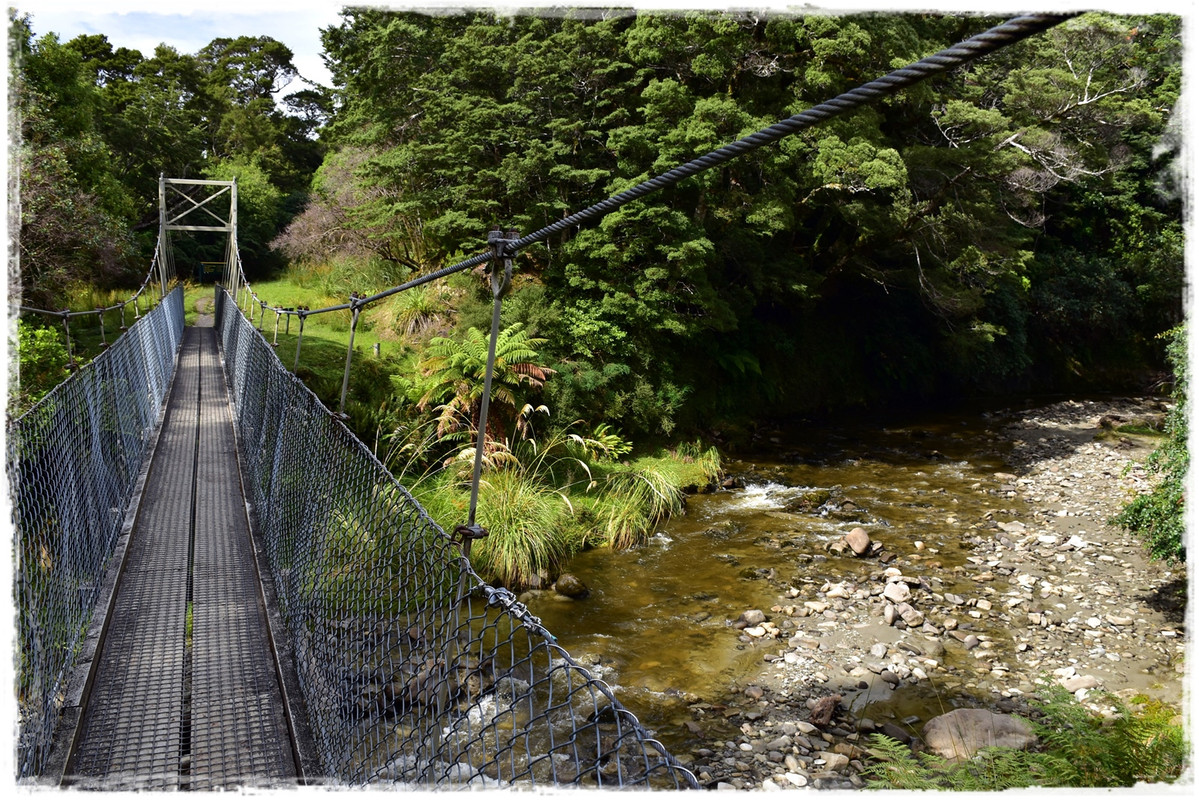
x: 1008, y: 232
x: 1010, y: 228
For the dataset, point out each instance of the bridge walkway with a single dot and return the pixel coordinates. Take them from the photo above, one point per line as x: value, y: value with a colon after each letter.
x: 185, y: 693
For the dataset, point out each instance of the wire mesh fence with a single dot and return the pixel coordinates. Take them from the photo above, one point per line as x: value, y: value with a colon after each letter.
x: 414, y: 671
x: 73, y: 462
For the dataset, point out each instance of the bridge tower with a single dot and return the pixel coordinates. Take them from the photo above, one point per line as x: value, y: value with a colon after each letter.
x: 183, y: 205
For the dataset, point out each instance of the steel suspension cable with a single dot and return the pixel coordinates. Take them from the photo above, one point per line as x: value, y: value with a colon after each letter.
x: 985, y: 43
x: 1010, y: 32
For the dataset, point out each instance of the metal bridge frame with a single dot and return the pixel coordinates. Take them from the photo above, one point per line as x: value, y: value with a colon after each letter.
x: 186, y: 214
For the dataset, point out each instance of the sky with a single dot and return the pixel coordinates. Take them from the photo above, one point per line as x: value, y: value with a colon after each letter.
x: 188, y: 25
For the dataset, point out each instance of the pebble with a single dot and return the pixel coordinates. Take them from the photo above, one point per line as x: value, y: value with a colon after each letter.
x: 1047, y: 589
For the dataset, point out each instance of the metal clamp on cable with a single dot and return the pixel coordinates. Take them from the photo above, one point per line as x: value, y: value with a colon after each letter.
x: 500, y: 597
x: 465, y: 534
x: 500, y: 242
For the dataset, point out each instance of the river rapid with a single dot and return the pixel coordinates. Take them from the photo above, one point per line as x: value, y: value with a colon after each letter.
x: 990, y: 568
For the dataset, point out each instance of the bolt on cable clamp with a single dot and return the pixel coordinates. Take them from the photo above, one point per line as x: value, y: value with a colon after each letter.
x: 500, y: 597
x: 465, y: 534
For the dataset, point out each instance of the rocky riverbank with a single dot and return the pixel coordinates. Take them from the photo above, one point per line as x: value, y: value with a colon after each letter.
x: 1047, y: 592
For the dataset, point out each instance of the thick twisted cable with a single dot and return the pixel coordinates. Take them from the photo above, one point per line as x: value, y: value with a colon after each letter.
x: 987, y: 42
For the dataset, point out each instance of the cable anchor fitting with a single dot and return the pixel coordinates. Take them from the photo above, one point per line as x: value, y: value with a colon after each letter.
x: 502, y: 247
x: 499, y: 597
x: 465, y: 534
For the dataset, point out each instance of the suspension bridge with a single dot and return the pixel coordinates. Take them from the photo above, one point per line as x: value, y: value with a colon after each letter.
x: 219, y: 586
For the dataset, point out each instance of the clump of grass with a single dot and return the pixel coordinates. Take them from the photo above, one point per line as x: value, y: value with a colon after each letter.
x: 545, y: 498
x: 631, y: 501
x: 529, y: 524
x: 525, y: 519
x: 690, y: 465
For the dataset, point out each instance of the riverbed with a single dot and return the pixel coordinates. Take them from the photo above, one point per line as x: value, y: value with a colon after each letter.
x: 990, y: 568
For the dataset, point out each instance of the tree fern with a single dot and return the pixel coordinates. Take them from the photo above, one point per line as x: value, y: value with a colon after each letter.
x: 453, y: 373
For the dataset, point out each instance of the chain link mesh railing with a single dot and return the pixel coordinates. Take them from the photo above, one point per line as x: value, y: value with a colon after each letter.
x: 413, y: 670
x: 73, y: 462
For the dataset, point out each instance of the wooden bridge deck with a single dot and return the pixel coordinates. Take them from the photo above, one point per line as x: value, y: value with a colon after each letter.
x: 184, y: 692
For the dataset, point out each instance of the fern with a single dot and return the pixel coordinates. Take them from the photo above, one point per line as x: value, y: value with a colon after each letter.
x: 1134, y: 744
x: 897, y: 767
x: 991, y: 769
x: 1078, y: 748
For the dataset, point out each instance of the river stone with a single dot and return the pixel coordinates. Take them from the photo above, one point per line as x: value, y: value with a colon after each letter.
x: 964, y: 731
x: 858, y: 541
x: 1079, y: 682
x: 569, y: 585
x: 796, y: 779
x: 897, y: 592
x: 752, y: 617
x: 909, y: 615
x: 895, y: 732
x: 782, y: 743
x: 833, y: 762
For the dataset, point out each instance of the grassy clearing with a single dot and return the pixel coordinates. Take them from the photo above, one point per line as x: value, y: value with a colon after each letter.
x: 376, y: 324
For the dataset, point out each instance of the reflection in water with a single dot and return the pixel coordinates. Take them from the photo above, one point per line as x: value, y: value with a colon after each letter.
x: 660, y: 615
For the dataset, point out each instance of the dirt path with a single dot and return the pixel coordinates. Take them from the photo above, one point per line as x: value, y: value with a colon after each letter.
x: 204, y: 306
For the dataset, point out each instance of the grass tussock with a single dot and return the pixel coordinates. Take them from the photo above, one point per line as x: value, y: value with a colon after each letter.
x: 544, y: 499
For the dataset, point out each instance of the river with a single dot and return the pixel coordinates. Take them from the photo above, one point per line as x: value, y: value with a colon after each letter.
x: 658, y: 620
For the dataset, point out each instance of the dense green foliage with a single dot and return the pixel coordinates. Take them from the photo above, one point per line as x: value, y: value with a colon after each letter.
x: 1002, y: 226
x: 1159, y: 517
x: 42, y: 367
x: 1138, y: 742
x: 1011, y: 225
x: 98, y: 126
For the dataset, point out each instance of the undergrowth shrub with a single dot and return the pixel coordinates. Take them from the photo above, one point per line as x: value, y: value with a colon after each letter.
x: 1138, y: 741
x: 41, y: 365
x: 1158, y: 517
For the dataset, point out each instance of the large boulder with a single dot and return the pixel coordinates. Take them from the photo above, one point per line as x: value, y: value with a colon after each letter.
x: 570, y: 586
x: 962, y: 732
x: 858, y: 541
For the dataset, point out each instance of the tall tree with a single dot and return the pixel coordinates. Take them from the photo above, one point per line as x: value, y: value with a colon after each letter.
x: 925, y: 229
x: 72, y: 204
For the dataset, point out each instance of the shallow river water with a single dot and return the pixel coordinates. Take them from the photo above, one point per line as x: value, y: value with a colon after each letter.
x: 658, y: 618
